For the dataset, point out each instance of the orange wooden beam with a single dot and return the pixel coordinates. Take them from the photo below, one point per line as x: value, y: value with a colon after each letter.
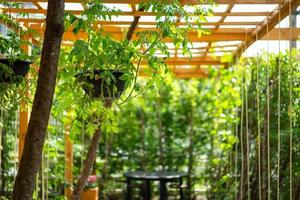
x: 193, y: 36
x: 116, y: 29
x: 215, y: 36
x: 196, y: 61
x: 127, y: 23
x: 184, y: 73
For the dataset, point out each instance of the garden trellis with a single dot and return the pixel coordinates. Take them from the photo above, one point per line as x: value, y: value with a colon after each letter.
x: 226, y: 35
x: 224, y: 27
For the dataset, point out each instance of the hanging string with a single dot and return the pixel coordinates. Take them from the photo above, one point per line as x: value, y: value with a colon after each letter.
x: 268, y: 113
x: 278, y: 108
x: 247, y: 127
x: 241, y: 138
x: 82, y: 141
x: 42, y: 176
x: 16, y: 147
x: 36, y: 190
x: 236, y: 156
x: 47, y: 164
x: 291, y: 103
x: 258, y: 118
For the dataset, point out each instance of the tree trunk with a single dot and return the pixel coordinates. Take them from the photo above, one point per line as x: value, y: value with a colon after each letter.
x: 89, y: 161
x: 37, y: 127
x: 108, y: 147
x: 134, y: 25
x: 296, y: 189
x: 91, y: 155
x: 104, y: 177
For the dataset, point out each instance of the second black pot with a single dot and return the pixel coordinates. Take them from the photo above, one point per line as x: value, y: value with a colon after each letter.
x: 20, y: 69
x: 97, y: 87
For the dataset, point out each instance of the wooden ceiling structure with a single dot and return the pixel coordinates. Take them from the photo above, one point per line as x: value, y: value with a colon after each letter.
x: 234, y: 26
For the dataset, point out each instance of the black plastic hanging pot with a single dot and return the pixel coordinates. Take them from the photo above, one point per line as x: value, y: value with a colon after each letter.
x: 97, y: 87
x: 19, y: 68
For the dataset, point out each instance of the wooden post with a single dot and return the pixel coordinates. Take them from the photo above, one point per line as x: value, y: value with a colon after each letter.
x: 23, y: 126
x: 24, y: 112
x: 68, y: 161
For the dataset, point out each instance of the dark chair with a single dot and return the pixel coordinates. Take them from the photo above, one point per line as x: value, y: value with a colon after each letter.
x: 177, y: 190
x: 137, y: 189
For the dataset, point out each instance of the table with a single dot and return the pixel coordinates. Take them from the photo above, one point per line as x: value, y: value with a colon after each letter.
x: 162, y: 176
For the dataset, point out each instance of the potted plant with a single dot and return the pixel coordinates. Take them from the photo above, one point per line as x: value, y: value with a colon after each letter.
x: 103, y: 74
x: 14, y: 66
x: 14, y: 62
x: 90, y: 189
x: 96, y: 86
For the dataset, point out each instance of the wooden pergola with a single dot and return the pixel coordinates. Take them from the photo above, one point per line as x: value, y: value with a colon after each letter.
x: 234, y: 26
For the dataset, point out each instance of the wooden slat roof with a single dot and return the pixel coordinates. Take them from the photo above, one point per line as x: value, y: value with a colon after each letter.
x: 231, y: 30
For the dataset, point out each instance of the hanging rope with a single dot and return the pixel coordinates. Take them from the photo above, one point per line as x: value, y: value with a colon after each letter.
x: 16, y: 146
x: 291, y: 104
x: 36, y: 191
x: 43, y: 176
x: 236, y: 156
x: 82, y: 142
x: 241, y: 137
x: 258, y: 119
x: 268, y: 113
x: 247, y: 127
x: 278, y: 108
x: 47, y: 165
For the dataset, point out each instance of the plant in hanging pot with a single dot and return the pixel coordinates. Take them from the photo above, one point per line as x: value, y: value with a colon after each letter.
x: 14, y: 66
x: 96, y: 86
x: 14, y: 62
x: 107, y: 65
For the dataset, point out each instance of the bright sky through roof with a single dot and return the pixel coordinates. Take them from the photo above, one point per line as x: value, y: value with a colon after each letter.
x: 231, y: 20
x: 254, y: 7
